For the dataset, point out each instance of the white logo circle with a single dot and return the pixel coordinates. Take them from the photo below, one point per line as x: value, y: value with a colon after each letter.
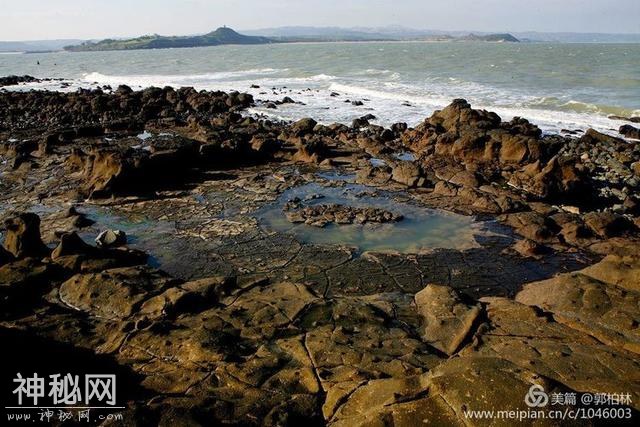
x: 536, y: 397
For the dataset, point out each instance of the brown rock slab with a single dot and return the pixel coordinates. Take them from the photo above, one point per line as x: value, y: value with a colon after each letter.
x: 620, y: 271
x: 606, y: 312
x: 606, y: 224
x: 536, y: 342
x: 446, y: 321
x: 186, y: 298
x: 113, y: 294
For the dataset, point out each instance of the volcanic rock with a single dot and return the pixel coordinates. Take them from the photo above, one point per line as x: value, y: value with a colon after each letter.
x: 630, y: 131
x: 606, y: 224
x: 23, y: 236
x: 14, y: 80
x: 113, y: 294
x: 303, y: 126
x: 321, y: 215
x: 599, y: 308
x: 407, y: 173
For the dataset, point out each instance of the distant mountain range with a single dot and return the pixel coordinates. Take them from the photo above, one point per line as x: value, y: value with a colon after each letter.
x: 403, y: 33
x: 225, y: 35
x: 331, y: 34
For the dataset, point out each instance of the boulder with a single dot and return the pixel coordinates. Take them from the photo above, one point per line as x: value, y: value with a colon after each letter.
x: 129, y: 170
x: 465, y: 179
x: 529, y: 248
x: 561, y: 177
x: 71, y: 244
x: 630, y: 131
x: 360, y: 123
x: 14, y: 80
x: 303, y: 126
x: 407, y: 173
x: 312, y: 150
x: 607, y: 224
x: 513, y: 149
x: 111, y: 238
x: 592, y: 136
x: 373, y: 174
x: 575, y: 233
x: 23, y: 236
x: 533, y: 226
x: 76, y: 255
x: 444, y: 188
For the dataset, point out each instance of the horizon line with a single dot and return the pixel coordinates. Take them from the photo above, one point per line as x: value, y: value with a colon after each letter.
x: 357, y: 28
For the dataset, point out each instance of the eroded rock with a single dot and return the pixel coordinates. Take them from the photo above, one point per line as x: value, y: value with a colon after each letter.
x: 322, y: 215
x: 113, y: 294
x: 446, y: 321
x: 23, y: 236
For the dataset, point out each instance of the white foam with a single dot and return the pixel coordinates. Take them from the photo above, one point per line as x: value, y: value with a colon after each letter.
x: 380, y: 94
x: 146, y: 80
x: 385, y: 94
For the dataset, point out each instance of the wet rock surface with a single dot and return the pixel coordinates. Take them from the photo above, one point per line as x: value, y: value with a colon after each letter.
x: 321, y: 215
x: 215, y: 319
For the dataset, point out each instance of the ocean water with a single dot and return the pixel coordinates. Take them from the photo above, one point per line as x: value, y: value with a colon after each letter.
x: 556, y: 86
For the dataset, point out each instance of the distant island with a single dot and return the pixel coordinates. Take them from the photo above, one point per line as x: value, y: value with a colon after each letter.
x: 500, y: 38
x: 225, y: 36
x: 221, y: 36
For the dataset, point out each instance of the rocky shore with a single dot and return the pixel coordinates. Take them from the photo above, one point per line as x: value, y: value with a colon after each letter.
x: 211, y: 317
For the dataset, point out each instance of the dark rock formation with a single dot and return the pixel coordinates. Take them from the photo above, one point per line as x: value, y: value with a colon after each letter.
x: 322, y: 215
x: 630, y: 131
x: 23, y: 239
x: 14, y: 80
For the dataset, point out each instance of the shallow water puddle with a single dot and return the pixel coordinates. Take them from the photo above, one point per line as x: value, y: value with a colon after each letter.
x: 151, y: 236
x: 405, y: 156
x: 421, y: 230
x: 145, y: 135
x: 377, y: 162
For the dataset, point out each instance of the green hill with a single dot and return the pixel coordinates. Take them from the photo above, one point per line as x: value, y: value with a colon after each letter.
x: 492, y: 38
x: 221, y: 36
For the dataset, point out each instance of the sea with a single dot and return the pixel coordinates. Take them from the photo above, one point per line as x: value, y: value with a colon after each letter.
x: 556, y: 86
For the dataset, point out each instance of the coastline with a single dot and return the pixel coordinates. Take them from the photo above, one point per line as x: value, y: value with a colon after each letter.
x: 207, y: 303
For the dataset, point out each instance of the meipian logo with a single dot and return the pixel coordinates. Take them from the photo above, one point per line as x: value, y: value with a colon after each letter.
x: 536, y: 397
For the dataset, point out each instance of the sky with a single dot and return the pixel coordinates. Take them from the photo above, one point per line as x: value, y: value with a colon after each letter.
x: 89, y: 19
